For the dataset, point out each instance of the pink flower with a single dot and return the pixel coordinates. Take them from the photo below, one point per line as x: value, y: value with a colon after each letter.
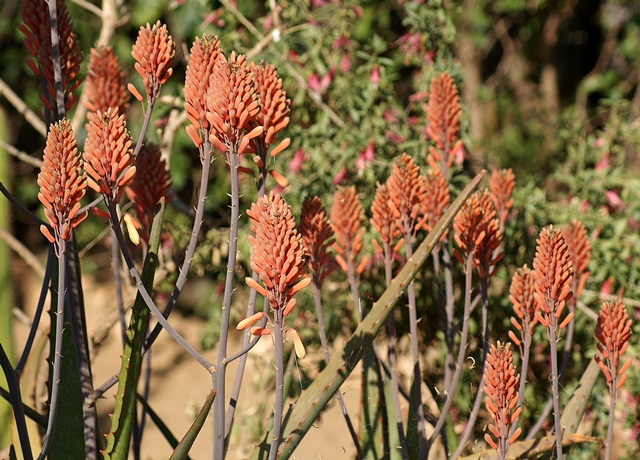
x: 374, y: 78
x: 614, y: 200
x: 326, y: 81
x: 599, y: 142
x: 314, y: 82
x: 391, y: 115
x: 366, y: 156
x: 340, y: 42
x: 605, y: 289
x: 341, y: 175
x: 345, y: 64
x: 299, y: 158
x: 358, y: 11
x: 584, y: 206
x: 394, y: 137
x: 603, y: 163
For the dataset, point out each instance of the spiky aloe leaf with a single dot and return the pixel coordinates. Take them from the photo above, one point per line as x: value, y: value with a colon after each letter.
x: 181, y: 452
x: 319, y: 393
x: 572, y: 413
x: 124, y: 413
x: 533, y: 448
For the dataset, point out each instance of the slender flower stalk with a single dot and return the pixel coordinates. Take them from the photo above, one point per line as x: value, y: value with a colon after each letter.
x: 278, y: 257
x: 502, y: 398
x: 106, y: 85
x: 521, y: 295
x: 613, y: 332
x: 553, y: 272
x: 62, y: 185
x: 384, y: 223
x: 443, y: 114
x: 478, y: 233
x: 407, y: 196
x: 437, y: 200
x: 232, y: 105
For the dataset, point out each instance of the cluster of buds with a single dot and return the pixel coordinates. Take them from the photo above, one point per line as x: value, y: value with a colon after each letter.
x: 613, y: 332
x: 383, y: 221
x: 62, y: 182
x: 552, y: 272
x: 477, y: 232
x: 437, y: 198
x: 407, y: 195
x: 106, y: 85
x: 317, y: 236
x: 278, y: 257
x: 522, y: 296
x: 501, y: 388
x: 153, y: 52
x: 347, y: 221
x: 501, y: 185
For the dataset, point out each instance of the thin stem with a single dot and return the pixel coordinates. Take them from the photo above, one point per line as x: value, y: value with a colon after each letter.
x: 612, y: 412
x: 278, y: 328
x: 193, y: 242
x: 37, y: 315
x: 416, y: 386
x: 151, y: 101
x: 20, y: 155
x: 449, y: 310
x: 175, y: 335
x: 554, y: 382
x: 16, y: 404
x: 471, y: 423
x: 31, y: 216
x: 392, y: 356
x: 117, y: 282
x: 450, y: 392
x: 523, y: 373
x: 55, y: 57
x: 57, y: 358
x: 220, y: 402
x: 327, y: 357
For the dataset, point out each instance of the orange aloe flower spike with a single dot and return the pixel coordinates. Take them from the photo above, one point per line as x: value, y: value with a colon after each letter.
x: 443, y: 115
x: 501, y: 389
x: 437, y: 198
x: 105, y: 85
x: 317, y: 236
x: 476, y: 231
x: 522, y: 296
x: 232, y: 104
x: 275, y: 107
x: 150, y: 184
x: 347, y: 219
x: 62, y: 182
x: 613, y: 332
x: 501, y: 184
x: 36, y: 28
x: 407, y: 193
x: 383, y: 220
x: 552, y: 272
x: 153, y: 52
x: 278, y: 253
x: 202, y: 59
x: 575, y: 236
x: 107, y: 153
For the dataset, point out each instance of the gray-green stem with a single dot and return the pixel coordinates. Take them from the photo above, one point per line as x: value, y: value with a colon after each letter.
x: 219, y: 376
x: 278, y: 342
x: 554, y: 381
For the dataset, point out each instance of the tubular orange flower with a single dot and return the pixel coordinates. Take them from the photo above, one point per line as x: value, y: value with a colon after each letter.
x: 153, y: 52
x: 275, y: 107
x: 150, y: 184
x: 437, y: 198
x: 477, y: 232
x: 37, y: 30
x: 501, y: 388
x: 383, y: 220
x: 105, y: 86
x: 522, y: 296
x: 278, y: 253
x: 317, y: 236
x: 501, y: 185
x: 443, y: 114
x: 232, y: 103
x: 347, y: 219
x: 62, y: 182
x: 613, y: 332
x: 407, y: 193
x: 552, y: 272
x: 575, y: 236
x: 107, y: 153
x: 202, y: 59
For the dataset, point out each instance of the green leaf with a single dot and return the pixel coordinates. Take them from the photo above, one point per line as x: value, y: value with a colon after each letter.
x: 124, y: 413
x: 317, y: 395
x: 183, y: 448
